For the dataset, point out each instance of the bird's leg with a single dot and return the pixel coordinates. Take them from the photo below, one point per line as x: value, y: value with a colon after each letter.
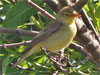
x: 59, y: 62
x: 62, y: 61
x: 62, y: 52
x: 56, y: 72
x: 45, y: 51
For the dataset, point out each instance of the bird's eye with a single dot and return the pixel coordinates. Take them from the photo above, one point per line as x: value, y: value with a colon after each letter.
x: 66, y: 14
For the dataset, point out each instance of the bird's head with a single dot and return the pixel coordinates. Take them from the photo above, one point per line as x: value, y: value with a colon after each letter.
x: 67, y: 15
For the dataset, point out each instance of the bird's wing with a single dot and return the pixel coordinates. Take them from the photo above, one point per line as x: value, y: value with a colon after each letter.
x: 47, y: 31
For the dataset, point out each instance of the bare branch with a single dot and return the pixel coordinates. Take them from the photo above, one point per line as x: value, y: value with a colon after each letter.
x: 85, y: 17
x: 40, y: 9
x: 18, y: 31
x: 86, y: 39
x: 15, y: 44
x: 89, y: 24
x: 53, y: 4
x: 21, y: 68
x: 79, y: 5
x: 79, y: 49
x: 63, y: 3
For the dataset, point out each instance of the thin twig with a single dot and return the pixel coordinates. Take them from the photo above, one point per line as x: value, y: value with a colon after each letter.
x: 18, y: 31
x: 15, y: 44
x: 40, y: 9
x: 79, y: 5
x: 53, y: 4
x: 21, y: 68
x: 78, y: 48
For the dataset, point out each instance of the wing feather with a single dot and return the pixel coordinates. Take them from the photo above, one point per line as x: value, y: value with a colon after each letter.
x: 47, y: 31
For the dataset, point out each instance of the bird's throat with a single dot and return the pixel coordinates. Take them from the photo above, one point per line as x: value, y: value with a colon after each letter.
x: 69, y: 22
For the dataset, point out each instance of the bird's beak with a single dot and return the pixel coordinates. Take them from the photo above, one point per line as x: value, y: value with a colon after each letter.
x: 76, y: 15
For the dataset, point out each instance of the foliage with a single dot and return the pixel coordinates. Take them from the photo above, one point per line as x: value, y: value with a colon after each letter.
x: 93, y: 10
x: 21, y: 15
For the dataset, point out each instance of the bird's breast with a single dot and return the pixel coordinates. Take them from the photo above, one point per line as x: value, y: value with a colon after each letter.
x: 60, y: 39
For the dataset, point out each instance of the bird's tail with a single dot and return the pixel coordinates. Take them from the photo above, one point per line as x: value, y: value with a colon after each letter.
x: 26, y: 54
x: 20, y: 60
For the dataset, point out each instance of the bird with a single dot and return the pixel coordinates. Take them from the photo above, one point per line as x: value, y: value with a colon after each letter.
x: 57, y: 35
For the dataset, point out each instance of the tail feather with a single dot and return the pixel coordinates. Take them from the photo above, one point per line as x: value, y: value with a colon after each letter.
x: 21, y: 59
x: 29, y: 51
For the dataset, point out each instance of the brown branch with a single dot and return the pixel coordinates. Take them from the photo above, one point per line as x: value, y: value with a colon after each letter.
x: 21, y: 68
x: 85, y: 17
x: 18, y: 31
x: 62, y: 3
x: 40, y: 9
x: 53, y: 4
x: 79, y: 5
x: 86, y: 39
x: 79, y: 49
x: 15, y: 44
x: 89, y: 24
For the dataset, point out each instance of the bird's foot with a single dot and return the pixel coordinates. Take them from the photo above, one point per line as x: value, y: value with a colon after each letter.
x: 61, y: 63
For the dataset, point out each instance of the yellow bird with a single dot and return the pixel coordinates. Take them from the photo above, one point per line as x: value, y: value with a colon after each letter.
x: 57, y: 35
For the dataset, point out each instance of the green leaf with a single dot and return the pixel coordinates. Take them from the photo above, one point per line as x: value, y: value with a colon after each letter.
x: 18, y: 15
x: 6, y: 8
x: 5, y: 63
x: 97, y: 13
x: 36, y: 22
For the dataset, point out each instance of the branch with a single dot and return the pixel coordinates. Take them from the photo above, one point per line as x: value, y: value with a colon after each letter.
x: 18, y: 31
x: 21, y: 68
x: 79, y: 49
x: 86, y: 39
x: 79, y: 5
x: 62, y: 3
x: 89, y: 24
x: 52, y: 3
x: 85, y: 17
x: 15, y: 44
x: 40, y: 9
